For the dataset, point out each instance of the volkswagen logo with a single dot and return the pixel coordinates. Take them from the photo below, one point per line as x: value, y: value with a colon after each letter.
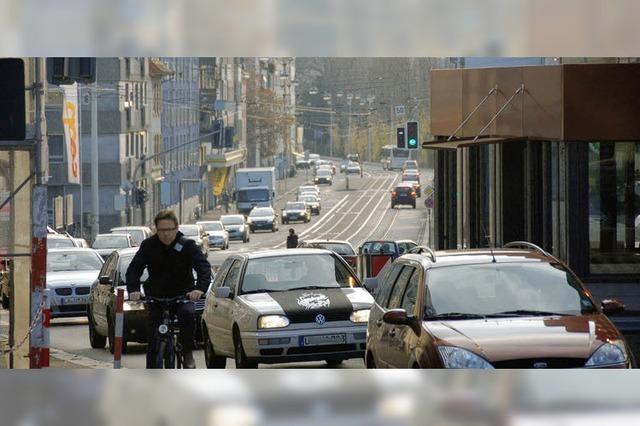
x: 540, y: 364
x: 320, y: 319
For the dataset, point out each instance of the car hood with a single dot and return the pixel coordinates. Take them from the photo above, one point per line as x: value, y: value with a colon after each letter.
x: 294, y: 301
x: 526, y: 337
x: 294, y: 211
x: 65, y: 278
x: 234, y: 227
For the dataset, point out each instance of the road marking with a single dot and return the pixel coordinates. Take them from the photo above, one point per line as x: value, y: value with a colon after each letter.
x: 372, y: 211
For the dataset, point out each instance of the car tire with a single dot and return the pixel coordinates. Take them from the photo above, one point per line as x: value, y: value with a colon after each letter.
x: 334, y: 362
x: 96, y: 340
x: 239, y: 355
x: 210, y: 358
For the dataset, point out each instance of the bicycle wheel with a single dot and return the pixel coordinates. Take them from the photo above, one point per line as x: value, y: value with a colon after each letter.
x: 178, y: 353
x: 162, y: 345
x: 170, y: 355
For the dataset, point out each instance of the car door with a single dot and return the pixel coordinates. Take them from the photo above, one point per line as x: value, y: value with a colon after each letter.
x: 382, y: 293
x: 223, y: 317
x: 402, y: 337
x: 389, y: 331
x: 103, y: 294
x: 211, y: 306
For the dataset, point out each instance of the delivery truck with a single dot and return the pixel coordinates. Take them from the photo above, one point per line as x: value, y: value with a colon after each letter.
x: 255, y: 187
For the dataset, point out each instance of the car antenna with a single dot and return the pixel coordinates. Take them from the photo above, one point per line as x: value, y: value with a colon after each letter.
x: 488, y: 237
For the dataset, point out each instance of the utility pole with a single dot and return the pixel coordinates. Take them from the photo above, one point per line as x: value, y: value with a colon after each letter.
x: 80, y: 101
x: 369, y: 137
x: 95, y: 200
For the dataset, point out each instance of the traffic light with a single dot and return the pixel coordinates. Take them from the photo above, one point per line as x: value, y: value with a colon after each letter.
x: 412, y: 135
x: 12, y: 100
x: 69, y: 70
x: 400, y: 137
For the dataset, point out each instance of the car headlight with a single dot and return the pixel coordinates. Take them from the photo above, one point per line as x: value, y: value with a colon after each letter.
x: 130, y: 305
x: 453, y: 357
x: 360, y: 316
x: 611, y: 353
x: 273, y: 321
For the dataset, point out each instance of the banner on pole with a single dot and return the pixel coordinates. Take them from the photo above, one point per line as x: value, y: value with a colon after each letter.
x: 219, y: 179
x: 71, y: 136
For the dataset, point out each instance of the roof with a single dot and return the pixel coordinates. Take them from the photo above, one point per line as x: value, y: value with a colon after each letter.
x: 256, y: 169
x: 70, y: 249
x: 158, y: 68
x: 481, y: 256
x: 284, y: 252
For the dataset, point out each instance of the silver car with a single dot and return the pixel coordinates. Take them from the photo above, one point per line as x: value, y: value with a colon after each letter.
x: 236, y: 226
x: 197, y: 234
x: 138, y: 233
x: 218, y: 236
x: 70, y: 273
x: 105, y: 244
x: 285, y: 306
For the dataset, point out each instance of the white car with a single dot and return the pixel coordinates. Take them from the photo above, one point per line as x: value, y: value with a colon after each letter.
x: 236, y: 226
x: 70, y: 273
x: 197, y: 234
x: 218, y: 236
x: 353, y: 168
x: 105, y: 244
x: 289, y: 305
x: 138, y: 233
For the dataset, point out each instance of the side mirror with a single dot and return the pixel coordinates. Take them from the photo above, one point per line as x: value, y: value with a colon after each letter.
x: 612, y: 306
x: 400, y: 317
x: 371, y: 284
x: 222, y: 292
x: 105, y: 280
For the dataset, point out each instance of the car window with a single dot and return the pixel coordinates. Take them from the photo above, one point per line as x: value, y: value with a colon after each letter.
x: 386, y: 284
x: 59, y: 243
x: 411, y: 293
x: 73, y: 261
x: 222, y: 273
x: 231, y: 280
x: 125, y: 261
x: 108, y: 266
x: 399, y: 287
x: 214, y: 226
x: 111, y: 241
x: 232, y: 220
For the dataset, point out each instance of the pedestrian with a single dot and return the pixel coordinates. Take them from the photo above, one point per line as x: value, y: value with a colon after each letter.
x: 169, y: 258
x: 225, y: 201
x: 292, y: 239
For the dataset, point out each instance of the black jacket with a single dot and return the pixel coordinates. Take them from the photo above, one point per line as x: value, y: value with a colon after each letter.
x: 292, y: 241
x: 170, y: 268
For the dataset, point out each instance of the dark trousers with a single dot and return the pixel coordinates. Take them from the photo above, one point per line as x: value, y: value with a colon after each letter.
x: 186, y: 320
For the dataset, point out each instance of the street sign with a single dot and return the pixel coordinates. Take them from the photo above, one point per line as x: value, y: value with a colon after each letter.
x: 428, y: 196
x: 399, y: 110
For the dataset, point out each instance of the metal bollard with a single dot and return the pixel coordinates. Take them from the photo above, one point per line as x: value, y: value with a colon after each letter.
x: 119, y: 326
x: 46, y: 319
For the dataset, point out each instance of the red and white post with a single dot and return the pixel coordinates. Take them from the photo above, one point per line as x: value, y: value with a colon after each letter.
x: 119, y: 328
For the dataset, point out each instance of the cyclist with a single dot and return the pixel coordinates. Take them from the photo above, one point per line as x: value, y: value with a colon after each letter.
x: 169, y: 258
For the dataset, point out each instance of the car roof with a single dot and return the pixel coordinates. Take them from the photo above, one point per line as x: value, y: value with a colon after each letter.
x: 404, y: 184
x: 201, y: 222
x: 446, y: 258
x: 58, y: 236
x: 283, y: 252
x: 231, y: 215
x: 71, y: 250
x: 126, y: 251
x: 113, y: 234
x: 122, y: 228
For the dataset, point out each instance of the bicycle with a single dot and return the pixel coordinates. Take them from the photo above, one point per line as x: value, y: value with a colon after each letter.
x: 169, y: 350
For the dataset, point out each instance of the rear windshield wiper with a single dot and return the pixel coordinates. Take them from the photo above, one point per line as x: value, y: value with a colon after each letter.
x: 526, y: 312
x: 455, y: 315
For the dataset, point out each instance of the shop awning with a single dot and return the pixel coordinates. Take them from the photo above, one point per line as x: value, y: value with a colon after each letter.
x: 468, y: 142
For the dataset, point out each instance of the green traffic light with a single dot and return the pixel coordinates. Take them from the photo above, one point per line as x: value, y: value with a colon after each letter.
x: 412, y: 142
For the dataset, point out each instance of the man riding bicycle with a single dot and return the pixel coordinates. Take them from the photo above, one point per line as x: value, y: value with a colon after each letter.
x: 169, y: 258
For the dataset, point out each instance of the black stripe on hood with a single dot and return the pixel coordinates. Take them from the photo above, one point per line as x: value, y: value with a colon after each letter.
x: 312, y: 302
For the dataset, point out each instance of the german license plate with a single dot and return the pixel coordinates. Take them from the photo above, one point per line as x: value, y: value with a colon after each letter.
x: 325, y: 339
x: 74, y: 300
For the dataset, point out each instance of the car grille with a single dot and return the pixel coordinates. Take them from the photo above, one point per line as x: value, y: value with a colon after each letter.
x: 63, y: 291
x: 81, y: 291
x: 305, y: 350
x: 329, y: 316
x: 550, y: 363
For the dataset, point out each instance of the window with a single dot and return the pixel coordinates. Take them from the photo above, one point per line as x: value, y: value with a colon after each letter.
x: 398, y: 289
x: 219, y: 279
x: 56, y: 149
x: 386, y: 284
x: 614, y: 207
x: 411, y: 294
x: 233, y: 276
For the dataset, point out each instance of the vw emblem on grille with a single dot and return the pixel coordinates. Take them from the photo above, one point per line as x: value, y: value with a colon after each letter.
x: 540, y: 364
x: 320, y: 319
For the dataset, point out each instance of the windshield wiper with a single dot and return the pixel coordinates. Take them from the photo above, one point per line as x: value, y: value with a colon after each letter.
x: 456, y: 315
x: 313, y: 287
x: 526, y: 312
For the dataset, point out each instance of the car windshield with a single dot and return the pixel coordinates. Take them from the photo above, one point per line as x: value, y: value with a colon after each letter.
x: 59, y: 242
x: 310, y: 199
x: 291, y: 272
x: 295, y: 206
x: 73, y: 261
x: 212, y: 226
x: 137, y: 235
x: 110, y: 241
x: 248, y: 195
x: 324, y: 172
x: 124, y: 264
x: 411, y: 165
x: 344, y: 249
x: 509, y: 289
x: 190, y: 231
x: 261, y: 212
x: 232, y: 220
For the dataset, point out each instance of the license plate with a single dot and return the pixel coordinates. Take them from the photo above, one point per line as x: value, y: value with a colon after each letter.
x: 325, y: 339
x: 73, y: 300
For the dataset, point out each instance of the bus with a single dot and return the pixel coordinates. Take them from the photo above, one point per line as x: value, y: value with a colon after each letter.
x: 393, y: 158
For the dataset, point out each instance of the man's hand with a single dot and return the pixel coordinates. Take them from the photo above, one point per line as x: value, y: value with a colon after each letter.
x: 134, y: 296
x: 195, y: 295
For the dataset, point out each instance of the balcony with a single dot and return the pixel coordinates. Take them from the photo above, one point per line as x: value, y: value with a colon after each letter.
x: 226, y: 158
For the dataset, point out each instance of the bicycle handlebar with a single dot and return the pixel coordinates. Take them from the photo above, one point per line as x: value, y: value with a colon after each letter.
x: 166, y: 300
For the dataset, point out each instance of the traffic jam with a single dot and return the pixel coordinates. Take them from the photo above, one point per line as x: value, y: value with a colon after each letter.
x: 361, y: 289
